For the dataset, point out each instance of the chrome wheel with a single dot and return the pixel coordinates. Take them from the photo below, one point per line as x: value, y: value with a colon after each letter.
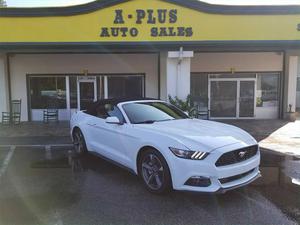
x: 79, y: 143
x: 153, y: 171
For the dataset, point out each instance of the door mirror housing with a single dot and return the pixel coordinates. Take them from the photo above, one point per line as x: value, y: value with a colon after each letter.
x: 113, y: 120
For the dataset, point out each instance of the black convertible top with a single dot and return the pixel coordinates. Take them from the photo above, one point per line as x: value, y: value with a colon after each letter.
x: 91, y: 109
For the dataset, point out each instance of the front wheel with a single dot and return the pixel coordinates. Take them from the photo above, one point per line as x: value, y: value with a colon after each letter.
x: 154, y: 171
x: 79, y: 142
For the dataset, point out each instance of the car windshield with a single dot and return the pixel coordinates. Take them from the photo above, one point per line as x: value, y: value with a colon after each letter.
x: 150, y: 112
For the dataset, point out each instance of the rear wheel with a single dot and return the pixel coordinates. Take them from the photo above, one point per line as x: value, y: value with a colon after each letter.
x: 154, y: 171
x: 79, y: 142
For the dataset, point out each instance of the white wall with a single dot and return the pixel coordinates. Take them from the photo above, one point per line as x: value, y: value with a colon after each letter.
x: 178, y: 73
x: 23, y: 64
x: 178, y: 77
x: 298, y: 92
x: 3, y: 88
x: 240, y: 62
x: 292, y: 84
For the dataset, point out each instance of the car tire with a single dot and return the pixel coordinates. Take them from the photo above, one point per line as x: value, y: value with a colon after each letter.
x: 79, y: 142
x: 154, y: 172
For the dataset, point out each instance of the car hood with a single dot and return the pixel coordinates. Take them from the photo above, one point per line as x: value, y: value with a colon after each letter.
x: 204, y: 134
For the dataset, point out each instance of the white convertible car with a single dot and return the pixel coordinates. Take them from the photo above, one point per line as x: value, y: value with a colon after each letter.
x: 165, y: 147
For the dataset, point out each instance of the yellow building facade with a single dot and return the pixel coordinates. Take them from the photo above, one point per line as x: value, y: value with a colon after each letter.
x: 237, y: 62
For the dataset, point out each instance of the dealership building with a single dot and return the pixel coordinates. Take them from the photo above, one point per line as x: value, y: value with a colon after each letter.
x: 237, y: 62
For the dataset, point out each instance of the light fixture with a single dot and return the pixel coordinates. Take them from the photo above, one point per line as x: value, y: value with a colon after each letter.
x: 187, y: 154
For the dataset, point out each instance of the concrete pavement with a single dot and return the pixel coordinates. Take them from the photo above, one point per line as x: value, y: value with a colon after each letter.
x: 105, y: 194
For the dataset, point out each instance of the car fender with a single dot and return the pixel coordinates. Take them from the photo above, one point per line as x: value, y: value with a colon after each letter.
x: 161, y: 144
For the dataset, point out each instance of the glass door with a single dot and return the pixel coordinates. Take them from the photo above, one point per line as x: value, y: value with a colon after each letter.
x: 223, y: 98
x: 246, y: 98
x: 232, y: 98
x: 87, y: 91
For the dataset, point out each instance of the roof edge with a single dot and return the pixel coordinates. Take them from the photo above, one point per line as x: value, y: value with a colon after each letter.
x: 238, y: 9
x: 192, y: 4
x: 59, y: 11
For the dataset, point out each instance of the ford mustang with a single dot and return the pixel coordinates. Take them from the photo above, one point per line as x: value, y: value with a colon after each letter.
x: 167, y: 149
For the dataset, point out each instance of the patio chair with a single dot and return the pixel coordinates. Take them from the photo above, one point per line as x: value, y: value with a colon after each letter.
x: 13, y: 117
x: 51, y: 112
x: 200, y: 109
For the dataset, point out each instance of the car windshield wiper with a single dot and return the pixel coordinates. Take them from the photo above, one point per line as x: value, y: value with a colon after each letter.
x: 146, y: 121
x: 152, y: 121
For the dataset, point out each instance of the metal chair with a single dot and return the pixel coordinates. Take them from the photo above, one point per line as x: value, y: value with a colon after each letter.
x: 51, y: 113
x: 13, y: 117
x: 200, y: 109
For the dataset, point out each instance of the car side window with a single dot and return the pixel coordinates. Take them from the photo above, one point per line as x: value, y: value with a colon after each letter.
x: 115, y: 111
x: 106, y: 110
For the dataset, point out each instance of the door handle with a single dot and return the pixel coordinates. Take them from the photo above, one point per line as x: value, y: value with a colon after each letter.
x: 92, y: 124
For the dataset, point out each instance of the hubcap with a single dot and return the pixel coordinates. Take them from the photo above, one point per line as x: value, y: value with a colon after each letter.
x: 152, y: 171
x: 78, y: 142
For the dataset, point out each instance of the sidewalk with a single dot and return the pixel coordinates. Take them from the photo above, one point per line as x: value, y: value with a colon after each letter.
x: 35, y: 133
x: 275, y: 135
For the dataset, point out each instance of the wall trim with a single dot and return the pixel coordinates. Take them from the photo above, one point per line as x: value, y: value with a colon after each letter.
x: 144, y: 45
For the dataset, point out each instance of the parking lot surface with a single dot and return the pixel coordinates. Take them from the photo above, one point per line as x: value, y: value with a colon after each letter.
x: 39, y: 186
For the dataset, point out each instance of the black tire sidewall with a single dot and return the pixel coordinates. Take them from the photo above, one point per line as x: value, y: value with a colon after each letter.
x: 84, y: 150
x: 167, y: 182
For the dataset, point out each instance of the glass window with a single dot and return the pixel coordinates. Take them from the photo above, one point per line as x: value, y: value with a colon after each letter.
x: 73, y: 92
x: 298, y: 83
x: 267, y: 90
x: 199, y: 90
x: 223, y: 98
x: 48, y: 92
x: 125, y: 86
x: 152, y: 112
x: 233, y: 75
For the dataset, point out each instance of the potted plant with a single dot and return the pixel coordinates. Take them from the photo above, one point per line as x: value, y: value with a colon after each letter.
x: 291, y: 115
x: 185, y: 105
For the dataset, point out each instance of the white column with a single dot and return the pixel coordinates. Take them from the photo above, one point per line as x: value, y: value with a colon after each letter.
x: 178, y: 73
x: 68, y: 100
x: 105, y: 87
x: 292, y: 82
x: 3, y: 87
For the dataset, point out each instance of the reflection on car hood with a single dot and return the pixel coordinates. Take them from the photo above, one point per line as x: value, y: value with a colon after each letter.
x: 194, y: 133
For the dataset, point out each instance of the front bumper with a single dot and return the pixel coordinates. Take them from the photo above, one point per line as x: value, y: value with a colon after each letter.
x: 183, y: 169
x: 223, y: 190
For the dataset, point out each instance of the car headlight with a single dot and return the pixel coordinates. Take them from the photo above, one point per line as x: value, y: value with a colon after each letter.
x: 187, y: 154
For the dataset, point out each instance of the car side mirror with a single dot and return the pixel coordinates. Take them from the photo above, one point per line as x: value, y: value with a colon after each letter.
x: 113, y: 120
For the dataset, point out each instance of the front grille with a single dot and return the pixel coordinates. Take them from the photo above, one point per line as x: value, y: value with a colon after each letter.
x: 236, y: 177
x: 237, y: 156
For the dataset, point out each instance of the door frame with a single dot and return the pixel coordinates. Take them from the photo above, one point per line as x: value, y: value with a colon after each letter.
x: 238, y: 80
x: 86, y: 79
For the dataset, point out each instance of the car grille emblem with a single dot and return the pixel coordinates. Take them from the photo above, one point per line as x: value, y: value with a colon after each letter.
x: 242, y: 154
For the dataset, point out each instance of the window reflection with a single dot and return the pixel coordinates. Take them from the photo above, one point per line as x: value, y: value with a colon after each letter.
x: 199, y: 90
x: 125, y: 86
x: 48, y: 92
x: 267, y: 90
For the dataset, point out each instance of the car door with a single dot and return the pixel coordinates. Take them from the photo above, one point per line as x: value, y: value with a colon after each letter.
x: 108, y: 139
